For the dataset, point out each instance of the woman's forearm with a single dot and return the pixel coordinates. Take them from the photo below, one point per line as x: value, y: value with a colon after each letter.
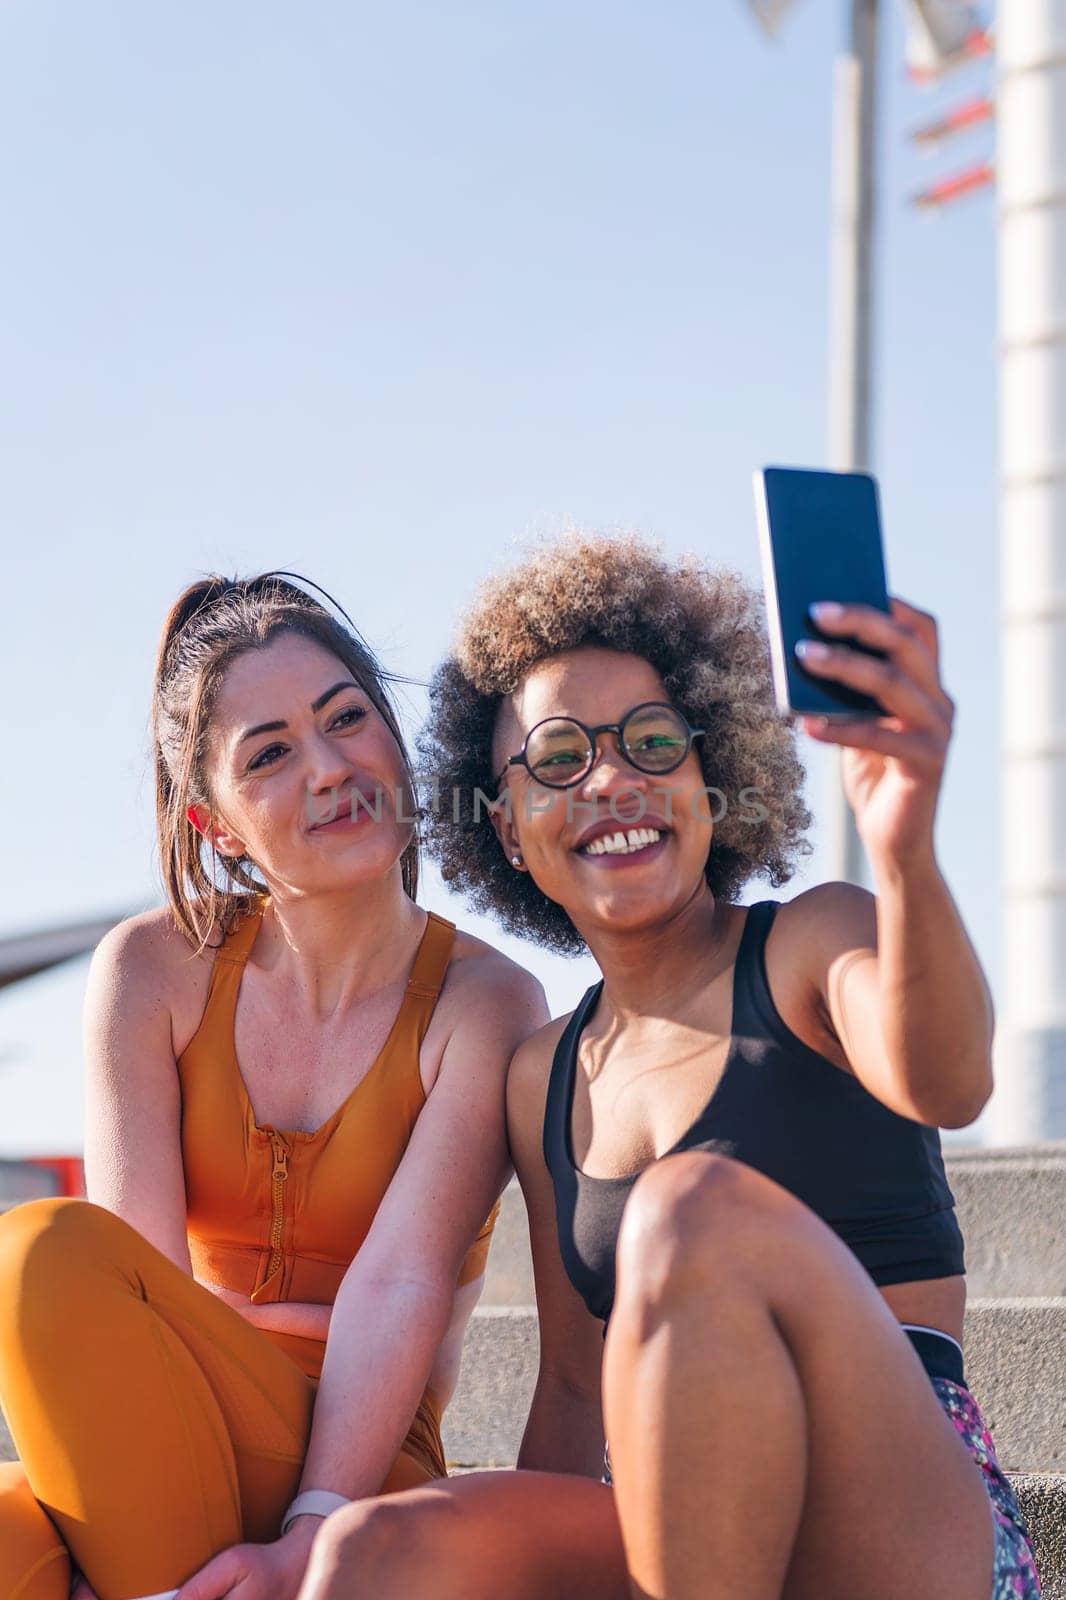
x: 301, y: 1318
x: 383, y: 1338
x: 936, y: 1007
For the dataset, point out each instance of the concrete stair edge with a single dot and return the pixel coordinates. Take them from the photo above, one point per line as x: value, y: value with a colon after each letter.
x: 1016, y: 1364
x: 1008, y: 1204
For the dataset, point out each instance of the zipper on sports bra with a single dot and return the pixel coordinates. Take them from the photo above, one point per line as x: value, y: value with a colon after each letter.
x: 277, y: 1198
x: 279, y: 1173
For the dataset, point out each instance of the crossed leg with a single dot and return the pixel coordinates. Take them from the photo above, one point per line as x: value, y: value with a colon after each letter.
x: 34, y: 1561
x: 154, y: 1424
x: 772, y: 1434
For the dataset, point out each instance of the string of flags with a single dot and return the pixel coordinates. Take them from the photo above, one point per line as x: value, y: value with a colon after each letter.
x: 944, y: 36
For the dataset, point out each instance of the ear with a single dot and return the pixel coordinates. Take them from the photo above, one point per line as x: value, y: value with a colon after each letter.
x: 225, y: 842
x: 506, y: 732
x: 500, y: 815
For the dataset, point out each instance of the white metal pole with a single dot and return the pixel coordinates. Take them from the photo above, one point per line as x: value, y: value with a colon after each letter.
x: 851, y: 317
x: 1030, y: 1099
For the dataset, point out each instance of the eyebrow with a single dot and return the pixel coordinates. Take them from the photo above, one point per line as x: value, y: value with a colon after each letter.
x: 316, y: 706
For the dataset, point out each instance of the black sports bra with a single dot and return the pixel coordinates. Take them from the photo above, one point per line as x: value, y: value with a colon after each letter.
x: 875, y: 1177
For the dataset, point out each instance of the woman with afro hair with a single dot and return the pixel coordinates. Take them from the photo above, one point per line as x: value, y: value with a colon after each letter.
x: 749, y: 1274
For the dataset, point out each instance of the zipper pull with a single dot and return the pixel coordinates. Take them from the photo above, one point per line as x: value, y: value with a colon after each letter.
x: 281, y: 1156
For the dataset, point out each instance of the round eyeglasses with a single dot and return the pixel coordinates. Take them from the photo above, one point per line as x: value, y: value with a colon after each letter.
x: 561, y: 751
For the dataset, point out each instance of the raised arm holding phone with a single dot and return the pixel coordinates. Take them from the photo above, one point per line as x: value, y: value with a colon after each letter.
x: 729, y: 1150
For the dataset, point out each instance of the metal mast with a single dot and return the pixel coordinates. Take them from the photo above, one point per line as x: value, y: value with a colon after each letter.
x: 942, y: 33
x: 851, y: 292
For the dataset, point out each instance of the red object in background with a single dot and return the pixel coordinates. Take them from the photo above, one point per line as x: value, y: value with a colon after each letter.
x: 964, y: 183
x: 965, y: 116
x: 980, y: 43
x: 69, y: 1172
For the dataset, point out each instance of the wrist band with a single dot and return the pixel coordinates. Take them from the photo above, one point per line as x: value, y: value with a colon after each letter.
x: 313, y: 1503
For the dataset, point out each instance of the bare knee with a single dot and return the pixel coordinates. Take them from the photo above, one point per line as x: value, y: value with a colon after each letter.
x: 386, y: 1548
x: 697, y: 1221
x: 678, y: 1202
x: 354, y: 1551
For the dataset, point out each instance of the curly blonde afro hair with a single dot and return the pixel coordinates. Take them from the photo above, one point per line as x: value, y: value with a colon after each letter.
x: 700, y: 627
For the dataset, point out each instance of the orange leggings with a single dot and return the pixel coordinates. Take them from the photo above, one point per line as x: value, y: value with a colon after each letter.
x: 154, y: 1425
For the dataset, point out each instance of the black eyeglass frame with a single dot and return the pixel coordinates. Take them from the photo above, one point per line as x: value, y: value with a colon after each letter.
x: 593, y: 735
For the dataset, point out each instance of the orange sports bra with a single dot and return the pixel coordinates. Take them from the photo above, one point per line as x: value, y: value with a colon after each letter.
x: 278, y: 1214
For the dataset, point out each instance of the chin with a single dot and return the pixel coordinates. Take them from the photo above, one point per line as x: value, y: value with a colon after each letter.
x: 627, y: 913
x: 366, y: 859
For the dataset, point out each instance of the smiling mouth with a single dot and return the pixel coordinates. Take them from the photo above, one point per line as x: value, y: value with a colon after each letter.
x: 625, y: 842
x: 342, y: 814
x: 345, y: 812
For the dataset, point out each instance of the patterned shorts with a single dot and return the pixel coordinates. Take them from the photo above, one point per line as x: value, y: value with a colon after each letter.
x: 1014, y: 1575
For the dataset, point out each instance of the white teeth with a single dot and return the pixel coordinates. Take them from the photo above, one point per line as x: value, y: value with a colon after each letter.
x: 618, y: 844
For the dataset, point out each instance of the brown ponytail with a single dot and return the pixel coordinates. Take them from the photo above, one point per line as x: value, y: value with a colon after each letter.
x: 212, y: 622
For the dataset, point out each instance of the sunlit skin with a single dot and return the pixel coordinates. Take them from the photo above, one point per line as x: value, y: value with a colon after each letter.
x: 282, y: 784
x: 653, y: 923
x: 319, y: 993
x: 660, y: 895
x: 892, y: 766
x: 336, y: 887
x: 269, y: 789
x: 772, y: 1433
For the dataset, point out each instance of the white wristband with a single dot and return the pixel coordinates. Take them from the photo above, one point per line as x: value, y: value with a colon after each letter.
x: 313, y: 1503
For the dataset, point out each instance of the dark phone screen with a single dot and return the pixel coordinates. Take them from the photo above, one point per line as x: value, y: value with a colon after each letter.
x: 824, y: 532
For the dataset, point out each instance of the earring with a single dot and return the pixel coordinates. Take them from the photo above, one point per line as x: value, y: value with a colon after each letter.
x: 516, y: 861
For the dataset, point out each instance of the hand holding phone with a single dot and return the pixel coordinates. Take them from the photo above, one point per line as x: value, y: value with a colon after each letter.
x: 820, y: 539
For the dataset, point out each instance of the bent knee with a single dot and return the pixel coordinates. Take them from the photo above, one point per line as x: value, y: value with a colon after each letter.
x: 43, y: 1242
x: 677, y: 1200
x: 381, y: 1546
x: 694, y: 1215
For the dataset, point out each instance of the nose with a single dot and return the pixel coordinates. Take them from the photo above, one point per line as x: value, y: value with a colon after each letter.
x: 327, y: 776
x: 610, y: 773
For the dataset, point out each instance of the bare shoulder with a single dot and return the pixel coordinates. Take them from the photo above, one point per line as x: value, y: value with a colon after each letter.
x: 478, y: 971
x: 530, y: 1069
x: 147, y: 956
x: 487, y: 1006
x: 148, y: 943
x: 527, y: 1093
x: 818, y: 934
x: 828, y: 918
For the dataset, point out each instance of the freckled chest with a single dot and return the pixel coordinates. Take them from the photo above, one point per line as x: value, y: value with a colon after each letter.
x: 297, y: 1069
x: 278, y: 1203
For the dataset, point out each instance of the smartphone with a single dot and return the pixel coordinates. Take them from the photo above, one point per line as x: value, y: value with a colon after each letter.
x: 820, y: 539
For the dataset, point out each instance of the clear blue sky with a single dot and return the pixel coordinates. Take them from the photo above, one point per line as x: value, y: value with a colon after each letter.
x: 377, y: 293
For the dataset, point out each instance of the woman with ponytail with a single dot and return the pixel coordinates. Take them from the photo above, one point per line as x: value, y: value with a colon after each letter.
x: 295, y: 1134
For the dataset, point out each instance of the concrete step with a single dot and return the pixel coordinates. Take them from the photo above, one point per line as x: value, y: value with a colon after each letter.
x: 1015, y: 1356
x: 1011, y: 1207
x: 484, y: 1423
x: 1042, y: 1497
x: 1016, y: 1368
